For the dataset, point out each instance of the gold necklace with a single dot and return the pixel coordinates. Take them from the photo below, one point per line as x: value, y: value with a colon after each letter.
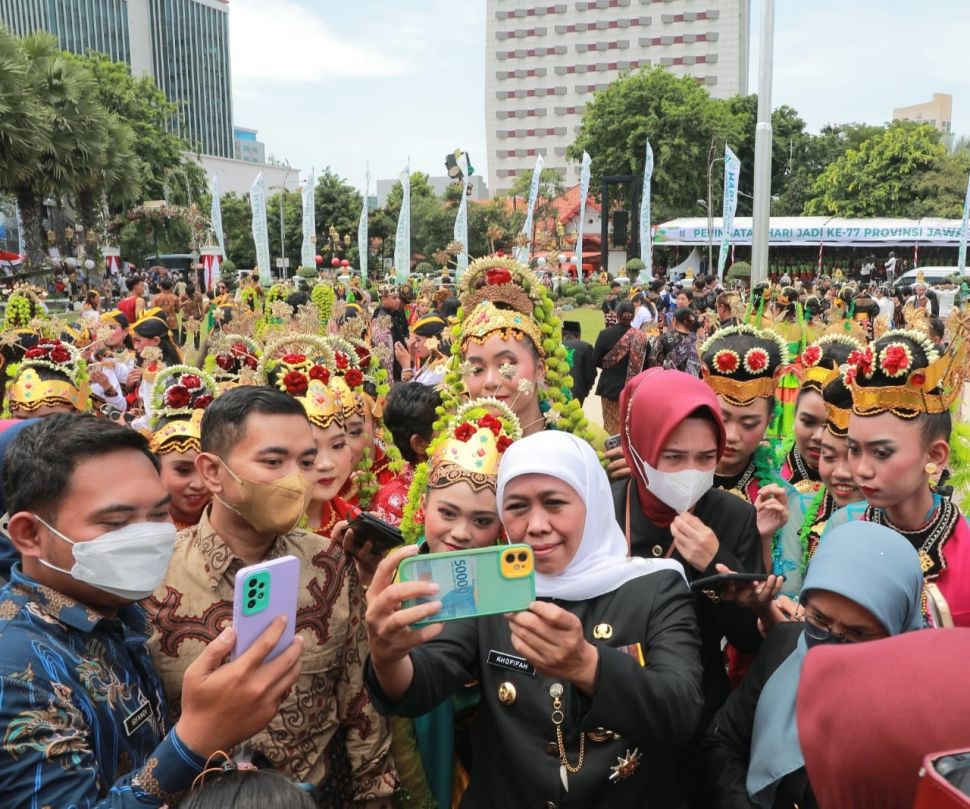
x: 556, y: 692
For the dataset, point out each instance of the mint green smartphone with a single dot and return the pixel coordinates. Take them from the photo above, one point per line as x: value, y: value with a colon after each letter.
x: 484, y: 581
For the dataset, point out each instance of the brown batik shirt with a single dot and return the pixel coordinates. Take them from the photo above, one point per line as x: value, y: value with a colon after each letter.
x: 328, y: 702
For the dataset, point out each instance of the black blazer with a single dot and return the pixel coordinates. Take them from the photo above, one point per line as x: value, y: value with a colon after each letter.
x: 727, y: 743
x: 583, y: 369
x: 652, y: 707
x: 733, y: 521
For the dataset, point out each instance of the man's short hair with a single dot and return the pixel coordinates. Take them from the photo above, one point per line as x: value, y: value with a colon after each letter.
x: 224, y: 421
x: 41, y: 460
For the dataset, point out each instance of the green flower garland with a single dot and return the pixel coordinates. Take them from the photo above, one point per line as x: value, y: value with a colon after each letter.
x: 323, y: 297
x: 811, y: 517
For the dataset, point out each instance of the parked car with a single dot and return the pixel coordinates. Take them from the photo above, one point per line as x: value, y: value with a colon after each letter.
x: 933, y: 276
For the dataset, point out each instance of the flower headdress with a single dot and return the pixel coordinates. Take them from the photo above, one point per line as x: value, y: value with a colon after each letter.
x: 179, y: 390
x: 232, y: 356
x: 825, y: 355
x: 501, y: 296
x: 322, y: 406
x: 469, y: 449
x: 23, y: 305
x: 740, y: 363
x: 903, y: 373
x: 28, y: 391
x: 290, y: 362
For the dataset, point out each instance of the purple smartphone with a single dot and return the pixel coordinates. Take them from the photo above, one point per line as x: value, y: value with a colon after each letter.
x: 264, y: 592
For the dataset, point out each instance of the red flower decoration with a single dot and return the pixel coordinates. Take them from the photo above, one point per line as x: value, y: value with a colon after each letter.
x: 756, y: 359
x: 354, y: 378
x: 862, y: 360
x: 35, y: 353
x: 295, y: 383
x: 918, y: 379
x: 342, y: 361
x: 850, y: 375
x: 294, y: 359
x: 464, y: 431
x: 240, y: 349
x: 362, y: 354
x: 503, y: 443
x: 202, y: 402
x: 727, y: 361
x: 251, y: 362
x: 60, y: 354
x: 497, y: 275
x: 177, y: 396
x: 190, y: 381
x: 894, y: 360
x: 489, y: 422
x: 811, y: 355
x: 321, y: 373
x: 226, y: 362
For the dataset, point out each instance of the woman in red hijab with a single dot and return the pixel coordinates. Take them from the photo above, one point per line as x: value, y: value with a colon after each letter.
x: 672, y: 438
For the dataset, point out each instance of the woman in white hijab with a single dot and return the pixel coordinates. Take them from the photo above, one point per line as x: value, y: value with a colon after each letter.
x: 587, y: 694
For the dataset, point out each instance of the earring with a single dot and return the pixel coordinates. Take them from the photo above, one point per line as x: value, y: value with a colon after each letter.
x: 930, y: 468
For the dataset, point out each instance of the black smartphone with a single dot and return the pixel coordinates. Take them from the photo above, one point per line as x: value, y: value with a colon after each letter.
x: 718, y: 581
x: 381, y: 536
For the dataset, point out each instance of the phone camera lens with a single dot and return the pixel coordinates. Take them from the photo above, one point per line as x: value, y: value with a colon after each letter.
x: 523, y: 556
x: 262, y: 585
x: 510, y: 558
x: 251, y: 603
x: 252, y: 593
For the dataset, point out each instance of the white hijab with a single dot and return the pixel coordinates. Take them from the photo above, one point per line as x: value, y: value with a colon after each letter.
x: 601, y: 564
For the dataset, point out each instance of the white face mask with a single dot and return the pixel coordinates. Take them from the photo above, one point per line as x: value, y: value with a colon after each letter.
x: 136, y: 556
x: 679, y: 490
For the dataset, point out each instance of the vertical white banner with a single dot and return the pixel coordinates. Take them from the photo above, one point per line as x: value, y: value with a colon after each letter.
x: 257, y: 201
x: 962, y: 258
x: 402, y: 238
x: 215, y: 213
x: 732, y: 172
x: 309, y: 248
x: 584, y: 175
x: 522, y: 254
x: 461, y: 221
x: 646, y: 240
x: 362, y: 242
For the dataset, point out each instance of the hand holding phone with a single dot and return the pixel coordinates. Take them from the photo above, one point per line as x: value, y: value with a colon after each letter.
x: 264, y: 592
x: 483, y: 581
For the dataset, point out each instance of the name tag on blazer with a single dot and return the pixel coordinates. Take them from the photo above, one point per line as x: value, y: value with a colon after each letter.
x: 510, y: 662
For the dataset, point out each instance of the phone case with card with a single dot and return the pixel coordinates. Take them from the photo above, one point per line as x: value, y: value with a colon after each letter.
x: 483, y: 581
x: 263, y: 593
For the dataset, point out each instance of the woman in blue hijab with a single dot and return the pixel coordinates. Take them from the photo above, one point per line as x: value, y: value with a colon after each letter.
x: 864, y: 583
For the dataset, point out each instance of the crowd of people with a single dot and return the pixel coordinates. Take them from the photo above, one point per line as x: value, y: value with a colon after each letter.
x: 773, y: 475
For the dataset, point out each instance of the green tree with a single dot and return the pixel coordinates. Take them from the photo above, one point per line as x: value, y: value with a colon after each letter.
x: 680, y: 119
x: 164, y: 171
x: 237, y: 229
x: 89, y: 152
x: 881, y: 176
x: 941, y: 189
x: 551, y: 187
x: 337, y: 204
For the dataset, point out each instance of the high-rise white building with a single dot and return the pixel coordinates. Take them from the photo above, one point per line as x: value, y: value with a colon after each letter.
x: 544, y: 62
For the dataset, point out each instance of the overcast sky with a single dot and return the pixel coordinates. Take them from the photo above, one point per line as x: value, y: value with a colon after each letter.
x: 331, y: 82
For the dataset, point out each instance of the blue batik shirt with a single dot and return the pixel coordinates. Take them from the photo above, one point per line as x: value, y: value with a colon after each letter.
x: 83, y: 717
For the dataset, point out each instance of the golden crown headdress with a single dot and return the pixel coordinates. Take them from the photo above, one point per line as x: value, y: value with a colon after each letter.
x: 29, y: 392
x: 323, y: 408
x: 741, y: 363
x: 500, y: 280
x: 932, y: 388
x: 487, y: 319
x: 475, y: 441
x: 178, y: 435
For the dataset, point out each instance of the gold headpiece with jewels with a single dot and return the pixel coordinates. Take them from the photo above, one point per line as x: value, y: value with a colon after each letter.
x: 487, y: 319
x: 500, y: 280
x: 473, y: 446
x: 929, y: 387
x: 178, y: 435
x: 28, y: 392
x: 322, y: 407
